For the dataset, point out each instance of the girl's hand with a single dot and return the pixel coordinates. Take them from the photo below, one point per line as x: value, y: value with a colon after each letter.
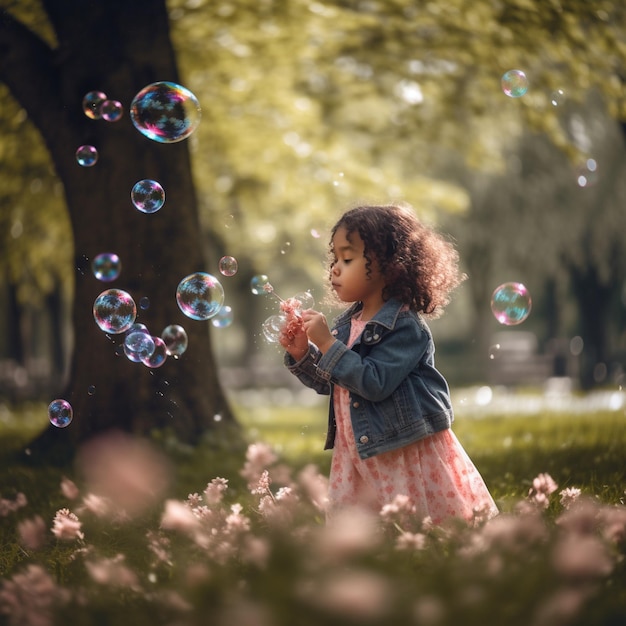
x: 317, y: 330
x: 293, y: 337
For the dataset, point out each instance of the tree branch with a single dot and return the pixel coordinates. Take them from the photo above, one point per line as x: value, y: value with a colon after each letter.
x: 27, y: 68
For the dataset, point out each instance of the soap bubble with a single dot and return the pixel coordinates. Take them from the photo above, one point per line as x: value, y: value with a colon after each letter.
x: 111, y: 110
x: 511, y: 303
x: 587, y: 173
x: 306, y: 300
x: 92, y: 103
x: 91, y: 390
x: 106, y: 266
x: 557, y: 98
x: 138, y: 342
x: 165, y: 112
x: 144, y: 303
x: 223, y: 318
x: 200, y: 296
x: 258, y: 283
x: 272, y: 327
x: 147, y: 196
x: 494, y: 351
x: 158, y: 356
x: 175, y: 338
x: 86, y: 156
x: 114, y: 311
x: 60, y: 413
x: 228, y: 266
x: 514, y: 83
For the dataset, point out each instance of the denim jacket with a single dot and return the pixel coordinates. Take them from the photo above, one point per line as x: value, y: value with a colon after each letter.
x: 397, y: 396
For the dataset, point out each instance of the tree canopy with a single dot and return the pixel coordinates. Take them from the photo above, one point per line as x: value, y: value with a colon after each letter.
x: 309, y: 106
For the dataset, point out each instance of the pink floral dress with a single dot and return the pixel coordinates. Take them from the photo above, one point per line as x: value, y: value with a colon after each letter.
x: 435, y: 473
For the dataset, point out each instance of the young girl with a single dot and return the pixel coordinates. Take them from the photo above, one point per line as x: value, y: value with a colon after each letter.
x: 390, y: 410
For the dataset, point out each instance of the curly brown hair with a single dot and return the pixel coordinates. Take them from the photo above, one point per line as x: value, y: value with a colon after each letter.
x: 421, y: 267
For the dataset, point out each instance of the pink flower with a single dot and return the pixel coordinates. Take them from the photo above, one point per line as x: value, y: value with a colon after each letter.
x: 315, y: 485
x: 66, y: 526
x: 214, y: 491
x: 112, y: 572
x: 543, y: 486
x: 569, y: 496
x: 411, y: 541
x: 32, y: 533
x: 178, y: 516
x: 10, y: 506
x: 581, y: 558
x: 30, y: 597
x: 263, y: 484
x: 69, y: 489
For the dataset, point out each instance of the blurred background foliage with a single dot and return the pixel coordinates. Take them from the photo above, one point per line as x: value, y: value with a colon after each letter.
x: 309, y: 107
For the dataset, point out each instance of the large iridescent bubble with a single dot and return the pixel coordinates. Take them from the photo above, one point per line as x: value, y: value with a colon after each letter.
x: 147, y: 195
x: 60, y: 413
x: 106, y: 266
x: 176, y: 340
x: 165, y: 112
x: 511, y: 303
x: 200, y: 296
x: 114, y: 311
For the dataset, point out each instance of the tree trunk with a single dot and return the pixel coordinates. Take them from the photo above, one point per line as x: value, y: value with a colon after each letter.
x: 118, y: 47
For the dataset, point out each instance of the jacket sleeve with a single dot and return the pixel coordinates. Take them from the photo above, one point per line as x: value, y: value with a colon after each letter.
x: 386, y: 364
x: 307, y: 371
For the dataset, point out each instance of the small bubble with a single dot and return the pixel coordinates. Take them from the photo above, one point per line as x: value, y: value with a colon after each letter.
x: 511, y: 303
x: 514, y: 83
x: 111, y: 110
x: 60, y: 413
x: 228, y: 266
x: 106, y: 266
x: 147, y: 196
x: 200, y: 296
x: 175, y: 338
x: 258, y: 283
x: 223, y: 318
x: 91, y: 390
x: 114, y: 311
x: 86, y: 156
x: 494, y: 351
x: 92, y: 103
x: 557, y: 98
x: 158, y: 356
x: 144, y: 303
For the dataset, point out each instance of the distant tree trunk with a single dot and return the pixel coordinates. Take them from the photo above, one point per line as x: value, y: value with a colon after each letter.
x: 118, y: 47
x: 594, y: 301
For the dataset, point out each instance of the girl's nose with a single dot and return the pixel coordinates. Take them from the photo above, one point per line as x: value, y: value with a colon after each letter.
x: 336, y: 269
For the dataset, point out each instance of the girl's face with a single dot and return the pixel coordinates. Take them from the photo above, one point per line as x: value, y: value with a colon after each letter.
x: 349, y: 275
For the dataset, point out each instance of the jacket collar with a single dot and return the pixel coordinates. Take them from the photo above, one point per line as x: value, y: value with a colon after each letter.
x: 386, y: 316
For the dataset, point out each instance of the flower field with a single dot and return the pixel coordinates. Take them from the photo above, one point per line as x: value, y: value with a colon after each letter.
x: 139, y: 532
